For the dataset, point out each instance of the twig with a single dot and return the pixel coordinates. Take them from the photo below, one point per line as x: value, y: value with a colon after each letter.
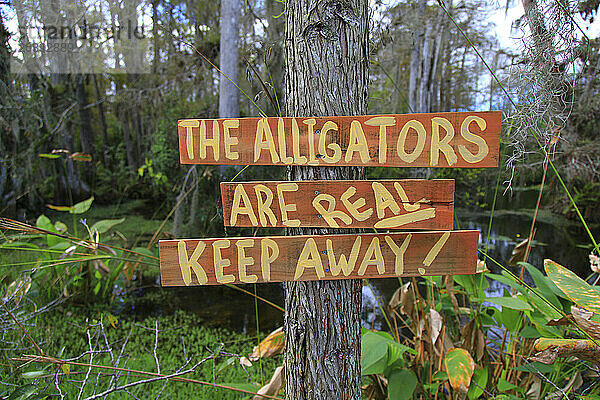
x: 23, y: 329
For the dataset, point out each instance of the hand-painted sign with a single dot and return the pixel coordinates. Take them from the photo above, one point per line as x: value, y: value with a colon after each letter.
x: 187, y: 262
x: 457, y: 139
x: 385, y: 204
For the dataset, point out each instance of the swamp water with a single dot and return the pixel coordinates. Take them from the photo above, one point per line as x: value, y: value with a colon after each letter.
x: 561, y: 240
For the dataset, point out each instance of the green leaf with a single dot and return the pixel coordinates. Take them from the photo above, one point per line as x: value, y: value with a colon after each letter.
x: 506, y: 281
x: 509, y: 318
x: 529, y: 332
x: 576, y: 289
x: 544, y: 285
x: 401, y: 384
x: 32, y: 374
x: 97, y: 287
x: 97, y: 274
x: 373, y: 354
x: 536, y: 367
x: 478, y: 383
x: 46, y: 155
x: 460, y: 367
x: 112, y: 319
x: 82, y: 206
x: 509, y: 302
x: 144, y: 251
x: 505, y: 386
x: 44, y: 223
x: 104, y: 225
x: 23, y: 392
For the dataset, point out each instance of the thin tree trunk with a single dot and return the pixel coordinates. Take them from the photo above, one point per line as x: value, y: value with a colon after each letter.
x: 415, y: 59
x: 326, y: 74
x: 102, y: 121
x: 228, y: 94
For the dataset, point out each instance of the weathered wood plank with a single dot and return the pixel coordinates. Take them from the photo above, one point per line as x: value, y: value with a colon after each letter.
x: 383, y: 204
x: 304, y: 258
x: 456, y: 139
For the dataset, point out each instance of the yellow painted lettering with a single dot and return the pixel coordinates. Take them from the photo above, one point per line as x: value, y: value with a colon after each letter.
x: 382, y: 123
x: 353, y: 207
x: 373, y: 257
x: 337, y: 151
x: 311, y: 141
x: 230, y: 141
x: 399, y: 252
x: 244, y: 261
x: 357, y: 142
x: 264, y: 140
x: 383, y: 200
x: 435, y: 250
x: 188, y: 124
x: 329, y: 214
x: 269, y: 251
x: 220, y: 263
x: 421, y: 135
x: 482, y: 146
x: 443, y: 145
x: 263, y: 207
x: 405, y: 203
x: 188, y: 265
x: 343, y: 265
x: 282, y: 145
x: 240, y: 196
x: 212, y: 142
x: 284, y: 208
x: 309, y: 258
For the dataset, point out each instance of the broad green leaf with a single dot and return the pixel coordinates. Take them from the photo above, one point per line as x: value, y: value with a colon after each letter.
x: 373, y: 354
x: 44, y: 223
x: 478, y: 383
x: 529, y: 332
x: 97, y: 287
x: 505, y: 386
x: 82, y: 206
x: 460, y: 367
x: 104, y: 225
x: 506, y: 281
x: 509, y: 318
x: 401, y: 384
x: 536, y: 367
x: 509, y: 302
x: 544, y: 285
x: 578, y: 290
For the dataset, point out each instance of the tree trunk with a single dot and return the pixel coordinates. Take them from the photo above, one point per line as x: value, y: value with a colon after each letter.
x: 326, y: 74
x: 229, y: 106
x: 415, y: 59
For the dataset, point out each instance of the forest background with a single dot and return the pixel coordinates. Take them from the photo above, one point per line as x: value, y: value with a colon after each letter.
x: 88, y: 139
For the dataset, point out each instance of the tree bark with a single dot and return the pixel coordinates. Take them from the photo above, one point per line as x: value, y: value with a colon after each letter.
x: 326, y: 74
x: 229, y: 103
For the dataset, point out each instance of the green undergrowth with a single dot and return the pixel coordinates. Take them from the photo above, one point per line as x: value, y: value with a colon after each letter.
x: 181, y: 337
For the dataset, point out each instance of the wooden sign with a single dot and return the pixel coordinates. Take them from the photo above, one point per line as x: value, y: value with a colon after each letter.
x: 385, y: 204
x: 187, y: 262
x: 457, y: 139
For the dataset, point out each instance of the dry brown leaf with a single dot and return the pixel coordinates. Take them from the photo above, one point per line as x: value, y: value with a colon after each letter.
x: 407, y: 300
x: 551, y: 349
x: 274, y: 385
x: 435, y: 324
x: 574, y: 383
x: 101, y: 267
x: 518, y: 253
x: 395, y: 300
x: 273, y: 344
x: 590, y: 327
x: 245, y: 362
x: 535, y: 390
x: 473, y: 339
x: 449, y: 282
